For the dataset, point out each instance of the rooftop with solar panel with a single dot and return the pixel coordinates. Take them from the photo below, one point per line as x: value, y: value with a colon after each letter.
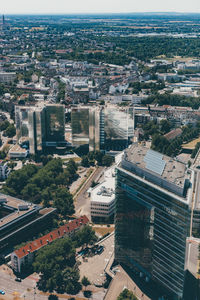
x: 160, y: 169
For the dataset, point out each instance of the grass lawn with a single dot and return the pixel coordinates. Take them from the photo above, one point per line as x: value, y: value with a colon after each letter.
x: 103, y: 230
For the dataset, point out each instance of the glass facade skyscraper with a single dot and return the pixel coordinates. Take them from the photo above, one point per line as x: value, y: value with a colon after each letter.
x: 80, y: 126
x: 54, y: 124
x: 40, y: 126
x: 153, y: 216
x: 118, y: 127
x: 107, y: 127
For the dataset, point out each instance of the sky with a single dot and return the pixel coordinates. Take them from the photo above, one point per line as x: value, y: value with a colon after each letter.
x: 96, y: 6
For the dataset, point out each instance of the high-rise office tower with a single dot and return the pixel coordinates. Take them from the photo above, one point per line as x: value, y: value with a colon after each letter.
x: 102, y: 128
x: 54, y: 124
x: 157, y: 218
x: 3, y: 20
x: 41, y: 126
x: 80, y: 126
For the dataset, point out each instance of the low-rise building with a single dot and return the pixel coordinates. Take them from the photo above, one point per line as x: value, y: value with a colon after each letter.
x: 169, y: 76
x: 24, y: 256
x: 21, y: 220
x: 175, y: 133
x: 7, y: 77
x: 102, y: 203
x: 18, y: 152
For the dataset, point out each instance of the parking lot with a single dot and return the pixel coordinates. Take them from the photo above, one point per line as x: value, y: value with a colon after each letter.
x: 93, y: 267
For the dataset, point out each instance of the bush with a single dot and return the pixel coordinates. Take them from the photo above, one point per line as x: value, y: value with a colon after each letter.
x: 53, y: 297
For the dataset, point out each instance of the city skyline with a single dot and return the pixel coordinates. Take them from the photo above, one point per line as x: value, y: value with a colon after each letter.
x: 89, y: 6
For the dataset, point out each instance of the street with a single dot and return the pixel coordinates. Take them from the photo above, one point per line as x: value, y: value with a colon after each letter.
x: 82, y: 201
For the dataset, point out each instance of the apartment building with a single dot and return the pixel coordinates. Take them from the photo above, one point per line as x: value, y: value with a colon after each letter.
x: 24, y: 256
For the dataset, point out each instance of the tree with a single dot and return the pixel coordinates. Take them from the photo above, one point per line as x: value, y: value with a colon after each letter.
x: 71, y: 280
x: 19, y: 179
x: 10, y: 131
x: 45, y: 159
x: 2, y: 155
x: 54, y: 261
x: 159, y: 143
x: 165, y: 126
x: 107, y: 160
x: 63, y: 201
x: 53, y: 297
x: 72, y: 167
x: 85, y: 161
x: 85, y: 236
x: 32, y: 193
x: 4, y: 125
x: 98, y: 155
x: 85, y: 282
x: 126, y: 295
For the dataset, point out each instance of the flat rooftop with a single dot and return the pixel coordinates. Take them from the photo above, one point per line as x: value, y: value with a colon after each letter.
x: 105, y: 191
x: 17, y: 149
x: 160, y: 165
x: 17, y: 207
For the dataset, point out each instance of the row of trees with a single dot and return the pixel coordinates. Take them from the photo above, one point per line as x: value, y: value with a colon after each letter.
x: 195, y: 150
x: 172, y: 148
x: 173, y: 100
x: 46, y: 185
x: 154, y: 87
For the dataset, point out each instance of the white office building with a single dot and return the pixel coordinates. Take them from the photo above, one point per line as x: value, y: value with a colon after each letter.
x: 102, y: 203
x: 7, y: 77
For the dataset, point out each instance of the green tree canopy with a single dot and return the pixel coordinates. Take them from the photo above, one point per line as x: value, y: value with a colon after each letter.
x: 127, y: 295
x: 53, y: 297
x: 56, y: 263
x: 63, y: 201
x: 86, y: 235
x: 85, y: 282
x: 4, y: 125
x: 10, y: 131
x: 107, y: 160
x: 165, y: 126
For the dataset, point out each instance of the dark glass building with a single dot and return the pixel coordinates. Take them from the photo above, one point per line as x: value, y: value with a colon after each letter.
x: 154, y: 216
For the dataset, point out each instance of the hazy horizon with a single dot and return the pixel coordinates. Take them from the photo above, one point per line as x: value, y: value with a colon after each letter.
x: 98, y: 7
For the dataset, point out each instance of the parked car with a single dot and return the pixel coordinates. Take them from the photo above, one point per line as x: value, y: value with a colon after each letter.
x: 2, y: 292
x: 18, y: 279
x: 99, y: 250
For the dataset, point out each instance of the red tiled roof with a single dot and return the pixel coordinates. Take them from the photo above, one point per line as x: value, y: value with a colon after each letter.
x: 173, y: 134
x: 53, y: 235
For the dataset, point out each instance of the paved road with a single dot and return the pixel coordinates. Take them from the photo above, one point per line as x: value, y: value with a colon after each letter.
x: 82, y: 201
x: 25, y: 289
x: 93, y: 268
